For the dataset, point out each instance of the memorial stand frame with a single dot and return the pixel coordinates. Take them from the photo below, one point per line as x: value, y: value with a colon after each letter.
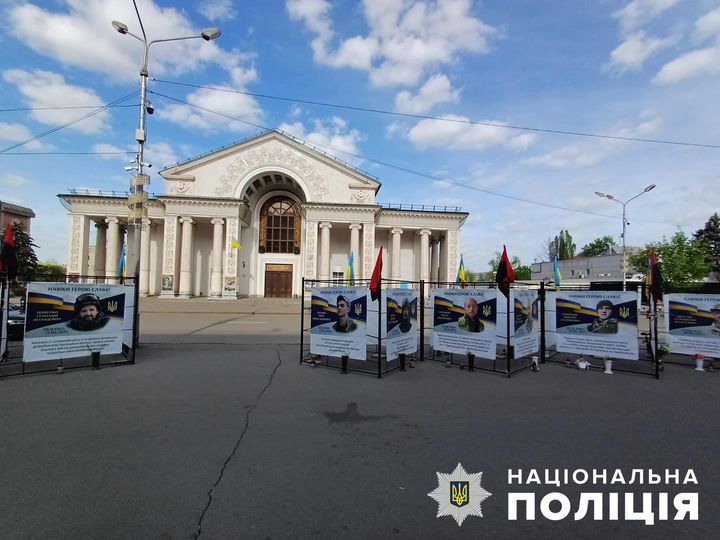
x: 11, y: 364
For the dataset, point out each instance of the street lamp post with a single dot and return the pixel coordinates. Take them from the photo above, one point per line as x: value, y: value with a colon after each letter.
x: 624, y: 224
x: 137, y: 201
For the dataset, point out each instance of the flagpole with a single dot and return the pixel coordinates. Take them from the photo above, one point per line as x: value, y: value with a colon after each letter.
x: 508, y: 332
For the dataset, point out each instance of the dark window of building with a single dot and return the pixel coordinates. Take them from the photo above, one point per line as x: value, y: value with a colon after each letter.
x: 280, y: 226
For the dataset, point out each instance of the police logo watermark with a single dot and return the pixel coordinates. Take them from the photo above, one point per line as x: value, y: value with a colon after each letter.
x: 459, y: 494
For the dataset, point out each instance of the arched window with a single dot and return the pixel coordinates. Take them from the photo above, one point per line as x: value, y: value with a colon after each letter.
x: 280, y: 226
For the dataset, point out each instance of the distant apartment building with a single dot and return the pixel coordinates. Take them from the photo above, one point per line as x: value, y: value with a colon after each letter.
x: 586, y: 270
x: 11, y: 213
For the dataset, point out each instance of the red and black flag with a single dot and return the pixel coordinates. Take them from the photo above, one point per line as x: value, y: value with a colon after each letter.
x: 376, y: 278
x: 8, y: 257
x: 505, y: 275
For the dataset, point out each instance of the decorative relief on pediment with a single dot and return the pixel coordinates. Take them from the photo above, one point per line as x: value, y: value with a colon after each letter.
x: 268, y: 157
x: 368, y: 248
x: 361, y: 196
x: 180, y: 188
x: 310, y: 249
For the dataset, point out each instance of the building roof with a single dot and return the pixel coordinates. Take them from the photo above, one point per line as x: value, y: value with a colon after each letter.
x: 16, y: 209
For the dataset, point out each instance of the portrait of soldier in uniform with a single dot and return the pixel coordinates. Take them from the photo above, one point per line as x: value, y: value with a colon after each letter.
x: 470, y: 321
x: 405, y: 318
x: 604, y: 323
x: 88, y: 315
x: 343, y: 324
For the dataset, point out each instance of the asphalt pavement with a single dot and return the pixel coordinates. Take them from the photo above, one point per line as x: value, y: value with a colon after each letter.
x: 217, y: 431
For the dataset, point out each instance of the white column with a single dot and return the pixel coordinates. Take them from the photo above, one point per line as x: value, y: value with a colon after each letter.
x: 167, y: 284
x: 145, y: 257
x: 112, y: 255
x: 355, y: 246
x: 186, y: 258
x: 129, y: 251
x: 424, y: 254
x: 311, y: 249
x: 100, y: 247
x: 217, y: 270
x: 325, y: 250
x: 78, y: 246
x: 435, y: 259
x: 233, y: 231
x: 368, y: 250
x: 396, y: 235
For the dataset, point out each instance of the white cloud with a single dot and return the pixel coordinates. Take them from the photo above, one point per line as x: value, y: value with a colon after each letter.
x: 160, y: 155
x: 13, y: 180
x: 47, y: 89
x: 458, y: 135
x: 631, y: 54
x: 436, y: 90
x: 227, y: 103
x: 66, y: 34
x: 105, y: 147
x: 331, y: 135
x: 405, y: 39
x: 692, y: 64
x: 217, y: 10
x: 16, y: 133
x: 709, y: 24
x: 579, y: 155
x: 639, y: 12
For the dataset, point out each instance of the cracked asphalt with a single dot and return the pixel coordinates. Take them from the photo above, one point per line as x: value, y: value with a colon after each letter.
x: 218, y: 432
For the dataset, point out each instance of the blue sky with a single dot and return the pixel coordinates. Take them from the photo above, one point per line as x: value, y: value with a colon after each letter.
x: 647, y: 69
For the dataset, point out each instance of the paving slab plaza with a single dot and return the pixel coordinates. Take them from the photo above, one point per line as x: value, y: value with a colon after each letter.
x: 218, y: 404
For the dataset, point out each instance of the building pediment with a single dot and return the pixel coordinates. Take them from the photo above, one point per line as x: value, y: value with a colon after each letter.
x: 271, y: 161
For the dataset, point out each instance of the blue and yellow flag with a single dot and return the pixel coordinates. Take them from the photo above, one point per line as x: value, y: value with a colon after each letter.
x: 121, y: 264
x: 557, y: 276
x: 461, y: 274
x: 350, y: 270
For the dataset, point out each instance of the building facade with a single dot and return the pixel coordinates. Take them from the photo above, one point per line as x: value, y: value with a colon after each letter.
x: 253, y: 219
x: 12, y: 213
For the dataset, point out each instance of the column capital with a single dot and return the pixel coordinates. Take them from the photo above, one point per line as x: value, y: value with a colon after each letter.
x: 112, y: 220
x: 101, y: 224
x: 217, y: 221
x: 146, y: 222
x: 424, y: 232
x: 187, y: 219
x: 396, y: 230
x: 325, y: 225
x: 355, y: 226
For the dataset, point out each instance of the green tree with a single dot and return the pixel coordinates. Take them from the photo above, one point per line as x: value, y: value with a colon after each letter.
x: 599, y: 246
x: 50, y: 271
x: 25, y: 252
x: 561, y: 246
x: 683, y: 260
x: 522, y: 272
x: 710, y: 235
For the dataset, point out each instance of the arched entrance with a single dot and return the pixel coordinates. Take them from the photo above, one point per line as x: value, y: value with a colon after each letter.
x: 279, y: 233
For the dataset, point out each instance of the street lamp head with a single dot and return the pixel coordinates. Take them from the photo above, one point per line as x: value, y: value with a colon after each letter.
x: 120, y: 27
x: 649, y: 188
x: 210, y: 33
x: 600, y: 194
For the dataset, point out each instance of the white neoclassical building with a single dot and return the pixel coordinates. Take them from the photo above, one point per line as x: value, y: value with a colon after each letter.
x: 292, y: 210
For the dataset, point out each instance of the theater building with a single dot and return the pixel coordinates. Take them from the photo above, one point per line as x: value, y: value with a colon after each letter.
x: 254, y: 218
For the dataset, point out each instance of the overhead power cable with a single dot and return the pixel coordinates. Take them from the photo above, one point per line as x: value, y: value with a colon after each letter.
x: 69, y: 153
x: 413, y: 171
x: 58, y: 128
x: 19, y: 109
x: 440, y: 119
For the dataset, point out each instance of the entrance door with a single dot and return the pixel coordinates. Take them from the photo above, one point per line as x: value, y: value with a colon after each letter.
x: 278, y: 280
